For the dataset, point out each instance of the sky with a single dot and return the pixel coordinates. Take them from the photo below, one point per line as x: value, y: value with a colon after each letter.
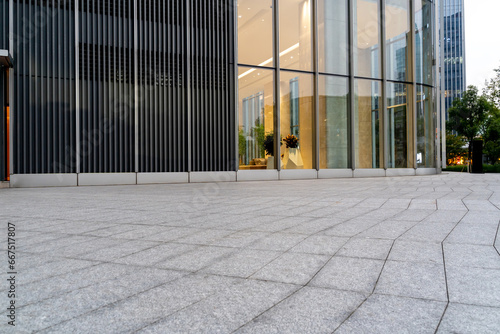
x: 482, y: 40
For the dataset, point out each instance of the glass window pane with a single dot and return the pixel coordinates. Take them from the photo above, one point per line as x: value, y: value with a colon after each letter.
x: 256, y: 118
x: 424, y: 41
x: 400, y: 127
x: 426, y: 128
x: 296, y: 120
x: 255, y: 28
x: 369, y: 122
x: 296, y: 48
x: 333, y: 36
x: 397, y: 25
x: 366, y: 42
x: 333, y: 122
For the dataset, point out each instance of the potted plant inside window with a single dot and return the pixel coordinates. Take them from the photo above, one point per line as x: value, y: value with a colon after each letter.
x: 268, y: 146
x: 293, y: 158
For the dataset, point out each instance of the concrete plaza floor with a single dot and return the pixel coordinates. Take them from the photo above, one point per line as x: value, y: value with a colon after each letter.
x: 385, y: 255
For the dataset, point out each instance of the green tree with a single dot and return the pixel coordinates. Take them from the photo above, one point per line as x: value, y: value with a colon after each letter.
x: 468, y: 115
x: 492, y: 89
x: 492, y: 137
x: 455, y: 146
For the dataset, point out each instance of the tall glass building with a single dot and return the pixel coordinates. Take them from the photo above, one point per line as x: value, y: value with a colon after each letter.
x: 453, y: 72
x: 134, y: 92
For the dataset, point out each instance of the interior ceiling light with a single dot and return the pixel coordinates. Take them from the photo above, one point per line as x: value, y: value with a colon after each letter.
x: 290, y: 49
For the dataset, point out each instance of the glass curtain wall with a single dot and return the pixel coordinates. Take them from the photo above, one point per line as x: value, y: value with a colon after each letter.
x: 424, y: 44
x: 397, y: 39
x: 400, y: 125
x: 426, y: 128
x: 313, y: 67
x: 334, y: 122
x: 369, y: 121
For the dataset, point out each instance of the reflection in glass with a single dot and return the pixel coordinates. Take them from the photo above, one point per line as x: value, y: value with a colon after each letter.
x: 333, y: 122
x: 366, y: 42
x: 255, y: 28
x: 399, y: 125
x: 397, y: 25
x: 424, y: 41
x: 296, y: 34
x: 368, y: 124
x: 426, y: 128
x: 256, y: 118
x: 332, y: 36
x: 297, y: 115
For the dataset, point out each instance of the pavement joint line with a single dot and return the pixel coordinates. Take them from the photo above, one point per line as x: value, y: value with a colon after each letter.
x: 121, y: 300
x: 371, y: 293
x: 497, y: 239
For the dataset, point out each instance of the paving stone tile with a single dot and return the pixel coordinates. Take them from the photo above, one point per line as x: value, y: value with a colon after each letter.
x: 482, y: 217
x: 475, y: 286
x: 480, y: 205
x: 468, y: 319
x: 389, y: 229
x: 366, y: 248
x: 473, y: 233
x: 345, y: 273
x: 423, y: 204
x: 58, y: 285
x: 146, y: 308
x: 125, y: 248
x: 351, y: 227
x: 415, y: 215
x: 151, y: 256
x: 451, y: 205
x: 225, y: 311
x: 416, y: 252
x: 240, y: 239
x: 278, y: 241
x: 464, y: 255
x: 321, y: 311
x: 429, y: 232
x: 56, y: 244
x: 314, y: 225
x: 142, y: 232
x: 173, y: 234
x: 390, y: 314
x: 294, y: 268
x: 445, y: 216
x: 51, y: 269
x: 67, y: 306
x: 242, y: 263
x: 320, y: 244
x: 196, y: 259
x: 413, y: 279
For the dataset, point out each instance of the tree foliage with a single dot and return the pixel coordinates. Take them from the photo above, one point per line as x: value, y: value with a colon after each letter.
x: 468, y: 115
x: 455, y: 146
x: 492, y: 137
x: 492, y: 89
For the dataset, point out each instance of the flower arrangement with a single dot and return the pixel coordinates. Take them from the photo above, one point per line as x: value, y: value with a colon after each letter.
x: 291, y: 141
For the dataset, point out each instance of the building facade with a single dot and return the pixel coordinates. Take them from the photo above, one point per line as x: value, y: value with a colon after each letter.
x: 126, y: 92
x: 453, y: 69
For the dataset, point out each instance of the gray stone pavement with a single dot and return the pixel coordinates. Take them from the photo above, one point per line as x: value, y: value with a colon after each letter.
x: 386, y: 255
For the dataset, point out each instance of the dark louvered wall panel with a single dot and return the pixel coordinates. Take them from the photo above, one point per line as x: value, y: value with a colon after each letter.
x: 106, y: 87
x: 44, y: 87
x: 184, y: 85
x: 162, y: 86
x: 4, y: 24
x: 212, y: 85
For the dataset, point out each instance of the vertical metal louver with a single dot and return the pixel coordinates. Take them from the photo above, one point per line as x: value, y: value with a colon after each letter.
x: 212, y: 85
x: 106, y: 86
x: 44, y: 87
x: 162, y: 86
x: 175, y: 57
